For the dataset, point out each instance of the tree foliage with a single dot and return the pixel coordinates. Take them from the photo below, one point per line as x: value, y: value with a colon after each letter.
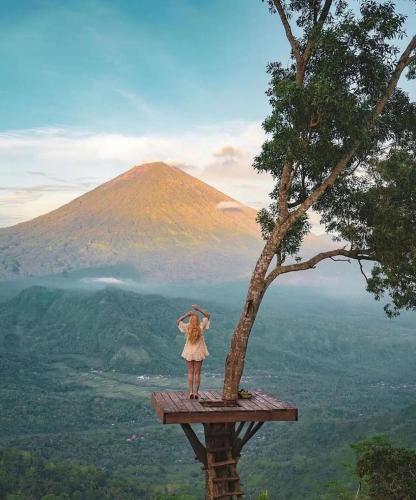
x: 23, y: 476
x: 338, y: 101
x: 381, y: 471
x: 389, y: 472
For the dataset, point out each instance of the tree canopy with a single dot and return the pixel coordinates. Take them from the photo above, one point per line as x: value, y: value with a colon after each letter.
x: 387, y: 471
x: 341, y: 139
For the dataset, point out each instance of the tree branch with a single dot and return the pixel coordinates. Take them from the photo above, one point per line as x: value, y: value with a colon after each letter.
x: 302, y: 59
x: 301, y: 63
x: 294, y: 204
x: 402, y: 63
x: 344, y: 160
x: 284, y: 187
x: 364, y: 254
x: 292, y: 40
x: 313, y: 36
x: 340, y: 260
x: 361, y: 270
x: 328, y: 182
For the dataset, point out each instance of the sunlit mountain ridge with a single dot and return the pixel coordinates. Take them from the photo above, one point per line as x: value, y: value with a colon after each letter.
x: 157, y: 218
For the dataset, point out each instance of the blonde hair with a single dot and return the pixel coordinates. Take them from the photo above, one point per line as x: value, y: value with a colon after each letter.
x: 194, y: 329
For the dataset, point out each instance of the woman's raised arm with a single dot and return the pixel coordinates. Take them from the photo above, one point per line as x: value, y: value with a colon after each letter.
x: 184, y: 316
x: 205, y: 313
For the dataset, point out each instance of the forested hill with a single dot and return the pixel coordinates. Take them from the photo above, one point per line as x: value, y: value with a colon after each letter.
x: 25, y: 476
x: 76, y: 370
x: 117, y: 329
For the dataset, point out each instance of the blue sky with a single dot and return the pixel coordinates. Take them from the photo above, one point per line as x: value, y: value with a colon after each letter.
x: 89, y: 88
x: 135, y: 66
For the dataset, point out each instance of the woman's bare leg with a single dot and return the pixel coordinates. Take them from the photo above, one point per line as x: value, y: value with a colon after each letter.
x: 190, y: 365
x: 197, y: 376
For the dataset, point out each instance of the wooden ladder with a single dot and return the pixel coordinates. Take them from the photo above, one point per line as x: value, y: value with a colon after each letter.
x: 222, y: 466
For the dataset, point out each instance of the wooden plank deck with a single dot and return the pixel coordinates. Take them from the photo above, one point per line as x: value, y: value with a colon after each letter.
x: 177, y: 408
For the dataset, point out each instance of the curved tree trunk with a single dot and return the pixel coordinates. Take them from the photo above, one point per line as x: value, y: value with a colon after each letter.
x: 234, y: 364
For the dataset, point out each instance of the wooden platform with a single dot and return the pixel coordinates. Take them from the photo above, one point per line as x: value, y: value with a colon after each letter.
x: 177, y: 408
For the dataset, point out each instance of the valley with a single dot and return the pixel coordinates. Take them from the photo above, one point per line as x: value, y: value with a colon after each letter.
x: 64, y: 399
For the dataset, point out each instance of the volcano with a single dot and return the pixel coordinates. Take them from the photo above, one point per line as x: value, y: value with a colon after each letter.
x: 155, y: 218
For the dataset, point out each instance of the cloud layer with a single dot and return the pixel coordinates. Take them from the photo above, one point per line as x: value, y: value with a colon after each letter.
x: 69, y: 162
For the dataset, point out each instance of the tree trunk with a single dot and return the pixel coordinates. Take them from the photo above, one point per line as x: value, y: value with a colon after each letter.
x: 234, y: 364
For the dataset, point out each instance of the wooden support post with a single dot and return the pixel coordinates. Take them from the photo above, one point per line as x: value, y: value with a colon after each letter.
x: 222, y: 480
x: 220, y: 456
x: 249, y: 433
x: 197, y: 446
x: 239, y: 429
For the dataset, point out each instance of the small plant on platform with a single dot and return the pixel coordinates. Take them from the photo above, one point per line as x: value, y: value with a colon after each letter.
x: 244, y: 394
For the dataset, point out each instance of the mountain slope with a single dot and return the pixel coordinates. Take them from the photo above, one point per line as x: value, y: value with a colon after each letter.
x: 137, y: 333
x: 162, y: 221
x: 117, y: 329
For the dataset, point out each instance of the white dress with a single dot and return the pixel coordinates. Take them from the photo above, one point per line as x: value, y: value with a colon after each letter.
x: 197, y: 351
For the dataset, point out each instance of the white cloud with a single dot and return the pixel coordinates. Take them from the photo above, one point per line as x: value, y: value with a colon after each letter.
x: 65, y: 156
x: 229, y: 151
x: 229, y: 205
x: 106, y: 280
x: 74, y: 161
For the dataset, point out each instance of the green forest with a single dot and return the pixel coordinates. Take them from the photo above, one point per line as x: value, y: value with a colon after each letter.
x: 77, y: 369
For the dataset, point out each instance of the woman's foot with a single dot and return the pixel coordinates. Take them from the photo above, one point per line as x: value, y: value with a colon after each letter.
x: 191, y: 395
x: 196, y: 396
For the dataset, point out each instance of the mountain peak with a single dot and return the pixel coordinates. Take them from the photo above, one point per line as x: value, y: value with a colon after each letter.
x: 158, y: 167
x: 156, y: 217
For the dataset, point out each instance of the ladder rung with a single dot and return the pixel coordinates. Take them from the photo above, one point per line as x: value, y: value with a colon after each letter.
x: 230, y: 494
x: 224, y: 462
x: 228, y: 478
x: 216, y: 450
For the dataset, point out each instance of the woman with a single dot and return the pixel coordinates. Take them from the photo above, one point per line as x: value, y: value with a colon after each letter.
x: 195, y: 350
